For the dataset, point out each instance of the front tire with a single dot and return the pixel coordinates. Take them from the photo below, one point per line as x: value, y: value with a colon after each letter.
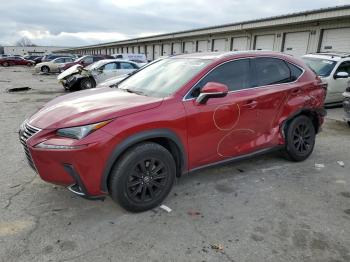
x: 5, y: 64
x: 300, y: 138
x: 142, y: 177
x: 87, y: 83
x: 45, y: 69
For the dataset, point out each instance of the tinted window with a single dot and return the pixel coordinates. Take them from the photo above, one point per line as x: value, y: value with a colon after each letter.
x: 295, y: 72
x: 270, y: 71
x: 119, y: 56
x: 234, y: 74
x: 126, y: 66
x: 344, y: 67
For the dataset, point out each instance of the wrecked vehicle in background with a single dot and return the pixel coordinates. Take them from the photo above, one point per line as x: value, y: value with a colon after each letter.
x: 78, y: 77
x: 84, y: 61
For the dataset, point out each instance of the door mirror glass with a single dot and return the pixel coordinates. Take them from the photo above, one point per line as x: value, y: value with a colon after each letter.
x: 212, y: 90
x: 341, y: 75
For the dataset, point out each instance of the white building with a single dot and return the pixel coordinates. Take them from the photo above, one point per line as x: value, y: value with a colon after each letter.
x: 322, y: 30
x: 30, y: 50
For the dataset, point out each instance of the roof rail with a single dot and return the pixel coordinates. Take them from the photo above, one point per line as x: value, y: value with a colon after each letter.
x: 334, y: 53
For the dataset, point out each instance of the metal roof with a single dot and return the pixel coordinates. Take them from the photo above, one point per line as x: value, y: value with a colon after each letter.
x: 304, y: 16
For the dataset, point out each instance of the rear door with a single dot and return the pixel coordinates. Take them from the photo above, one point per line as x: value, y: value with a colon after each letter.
x: 274, y: 82
x: 223, y: 127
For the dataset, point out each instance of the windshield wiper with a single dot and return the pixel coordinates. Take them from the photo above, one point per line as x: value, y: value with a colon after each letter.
x: 134, y: 91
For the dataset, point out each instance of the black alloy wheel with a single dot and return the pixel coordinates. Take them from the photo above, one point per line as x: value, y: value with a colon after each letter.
x: 147, y: 180
x: 142, y: 177
x: 300, y: 138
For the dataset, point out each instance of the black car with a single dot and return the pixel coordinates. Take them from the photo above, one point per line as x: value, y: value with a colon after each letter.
x: 31, y: 57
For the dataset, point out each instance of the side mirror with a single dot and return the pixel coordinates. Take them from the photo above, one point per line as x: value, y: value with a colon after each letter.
x: 212, y: 90
x: 341, y: 75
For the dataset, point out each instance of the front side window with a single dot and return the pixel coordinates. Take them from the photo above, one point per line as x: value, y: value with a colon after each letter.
x: 344, y: 67
x: 164, y: 77
x: 321, y: 67
x: 109, y: 67
x: 270, y: 71
x: 234, y: 74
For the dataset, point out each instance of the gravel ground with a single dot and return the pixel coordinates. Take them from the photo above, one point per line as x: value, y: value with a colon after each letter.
x: 263, y: 209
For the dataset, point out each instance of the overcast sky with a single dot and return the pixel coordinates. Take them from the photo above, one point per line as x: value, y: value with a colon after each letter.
x: 83, y: 22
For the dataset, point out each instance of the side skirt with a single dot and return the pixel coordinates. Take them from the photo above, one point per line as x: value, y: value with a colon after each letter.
x: 239, y: 158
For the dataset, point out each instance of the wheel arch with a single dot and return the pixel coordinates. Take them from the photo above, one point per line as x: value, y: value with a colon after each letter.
x: 315, y: 114
x: 165, y: 137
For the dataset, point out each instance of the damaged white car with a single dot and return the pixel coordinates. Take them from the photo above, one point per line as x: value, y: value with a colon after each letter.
x: 78, y: 77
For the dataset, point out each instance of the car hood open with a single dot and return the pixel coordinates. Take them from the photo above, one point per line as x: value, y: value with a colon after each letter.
x: 70, y: 71
x: 90, y: 106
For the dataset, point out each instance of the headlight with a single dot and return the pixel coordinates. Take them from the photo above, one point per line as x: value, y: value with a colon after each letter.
x: 80, y: 132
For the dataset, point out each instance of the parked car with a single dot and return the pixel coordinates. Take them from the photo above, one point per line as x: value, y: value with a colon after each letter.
x: 15, y: 60
x: 53, y: 65
x: 31, y: 57
x: 85, y: 61
x: 47, y: 58
x: 346, y: 105
x: 78, y: 77
x: 334, y: 69
x: 38, y: 59
x: 137, y: 58
x: 175, y: 116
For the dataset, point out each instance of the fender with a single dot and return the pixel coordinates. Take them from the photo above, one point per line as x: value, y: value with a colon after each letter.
x: 139, y: 137
x: 318, y: 112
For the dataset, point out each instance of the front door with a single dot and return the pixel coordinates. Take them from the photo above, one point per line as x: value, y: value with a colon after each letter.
x: 222, y: 127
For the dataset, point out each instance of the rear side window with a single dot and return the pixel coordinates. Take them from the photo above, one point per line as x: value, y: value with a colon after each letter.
x: 126, y: 66
x: 295, y: 72
x: 234, y: 74
x: 270, y: 71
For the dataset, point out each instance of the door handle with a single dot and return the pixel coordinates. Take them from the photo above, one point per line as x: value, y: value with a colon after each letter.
x: 296, y: 91
x: 250, y: 104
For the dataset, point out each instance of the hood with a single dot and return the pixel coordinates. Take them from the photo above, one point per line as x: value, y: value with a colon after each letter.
x: 70, y: 71
x: 90, y: 106
x: 113, y: 80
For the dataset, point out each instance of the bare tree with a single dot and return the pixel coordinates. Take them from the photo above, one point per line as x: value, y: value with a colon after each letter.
x: 24, y: 41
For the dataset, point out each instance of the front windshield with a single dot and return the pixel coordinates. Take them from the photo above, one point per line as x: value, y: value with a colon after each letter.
x: 95, y: 65
x: 164, y: 77
x: 321, y: 67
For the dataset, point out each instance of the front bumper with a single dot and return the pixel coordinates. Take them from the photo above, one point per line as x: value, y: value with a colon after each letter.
x: 80, y: 169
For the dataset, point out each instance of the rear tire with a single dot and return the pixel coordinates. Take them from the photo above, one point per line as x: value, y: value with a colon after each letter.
x: 6, y: 64
x: 143, y: 177
x: 300, y: 138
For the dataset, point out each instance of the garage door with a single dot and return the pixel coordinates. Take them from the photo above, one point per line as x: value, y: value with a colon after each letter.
x: 219, y: 45
x: 177, y: 48
x: 264, y: 42
x: 142, y: 49
x: 149, y: 52
x: 188, y: 47
x: 157, y: 51
x: 166, y: 49
x: 296, y: 44
x: 202, y: 46
x: 336, y: 40
x: 239, y: 43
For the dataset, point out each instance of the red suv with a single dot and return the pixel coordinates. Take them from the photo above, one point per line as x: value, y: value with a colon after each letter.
x: 181, y: 114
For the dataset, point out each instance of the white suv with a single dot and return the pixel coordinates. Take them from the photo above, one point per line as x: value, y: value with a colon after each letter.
x: 334, y: 69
